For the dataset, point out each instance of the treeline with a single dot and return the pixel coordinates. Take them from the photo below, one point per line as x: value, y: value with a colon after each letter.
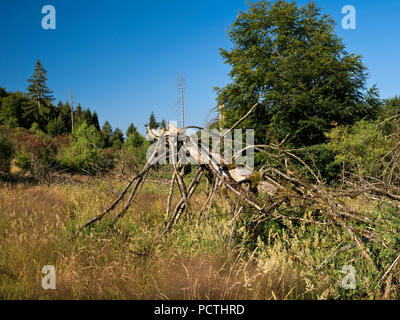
x: 310, y: 93
x: 43, y: 137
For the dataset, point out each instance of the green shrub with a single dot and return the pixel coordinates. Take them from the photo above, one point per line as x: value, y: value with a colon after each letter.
x: 36, y: 154
x: 134, y: 141
x: 6, y: 153
x: 321, y: 160
x: 83, y: 154
x: 360, y: 148
x: 22, y: 161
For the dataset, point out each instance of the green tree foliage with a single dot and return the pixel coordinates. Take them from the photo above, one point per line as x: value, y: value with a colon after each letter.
x: 12, y: 110
x: 117, y: 139
x: 289, y: 59
x: 57, y: 126
x: 3, y: 93
x: 390, y: 111
x: 131, y: 129
x: 40, y: 108
x: 107, y: 132
x: 152, y: 124
x: 6, y: 153
x: 133, y: 153
x: 83, y: 153
x: 95, y: 121
x: 361, y: 148
x: 134, y: 139
x: 163, y: 124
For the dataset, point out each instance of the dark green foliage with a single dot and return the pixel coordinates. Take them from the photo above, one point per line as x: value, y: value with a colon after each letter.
x: 3, y: 93
x: 152, y: 124
x: 131, y: 129
x: 40, y: 107
x: 163, y: 124
x: 95, y: 121
x: 321, y: 160
x: 57, y: 126
x: 117, y: 139
x: 6, y: 152
x: 289, y: 59
x: 107, y: 132
x: 390, y: 110
x: 12, y: 110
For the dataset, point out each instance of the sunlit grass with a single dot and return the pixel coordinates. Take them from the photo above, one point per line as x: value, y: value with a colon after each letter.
x: 215, y: 259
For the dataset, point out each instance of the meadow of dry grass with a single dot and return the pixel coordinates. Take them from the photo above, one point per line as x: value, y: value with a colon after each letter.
x: 192, y: 262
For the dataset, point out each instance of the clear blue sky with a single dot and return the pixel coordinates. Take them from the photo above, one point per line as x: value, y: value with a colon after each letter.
x: 123, y: 58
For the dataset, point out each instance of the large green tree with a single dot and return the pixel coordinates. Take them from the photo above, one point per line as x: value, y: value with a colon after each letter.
x: 41, y: 96
x: 289, y: 60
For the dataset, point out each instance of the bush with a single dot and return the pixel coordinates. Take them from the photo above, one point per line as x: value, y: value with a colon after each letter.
x: 83, y: 154
x: 133, y: 156
x: 36, y: 154
x: 22, y: 161
x: 322, y: 160
x: 360, y: 148
x: 6, y: 153
x: 111, y: 156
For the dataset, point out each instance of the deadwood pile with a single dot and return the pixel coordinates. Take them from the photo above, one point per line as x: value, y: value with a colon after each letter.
x: 287, y: 187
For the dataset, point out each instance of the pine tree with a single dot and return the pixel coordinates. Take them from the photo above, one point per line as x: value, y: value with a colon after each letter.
x: 153, y: 124
x: 107, y: 132
x: 134, y: 138
x: 163, y: 124
x: 117, y: 138
x: 95, y: 121
x: 3, y: 93
x: 41, y: 96
x: 131, y: 130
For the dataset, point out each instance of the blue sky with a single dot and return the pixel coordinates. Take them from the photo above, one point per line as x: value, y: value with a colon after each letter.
x: 123, y: 58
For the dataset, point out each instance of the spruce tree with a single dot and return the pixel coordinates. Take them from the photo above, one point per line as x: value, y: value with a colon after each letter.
x: 107, y: 132
x: 131, y: 129
x: 163, y: 124
x: 153, y: 124
x: 41, y: 96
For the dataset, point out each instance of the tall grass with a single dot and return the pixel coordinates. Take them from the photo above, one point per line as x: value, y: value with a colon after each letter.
x: 216, y: 259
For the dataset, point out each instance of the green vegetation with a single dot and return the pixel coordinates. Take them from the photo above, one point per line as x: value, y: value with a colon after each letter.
x: 338, y: 170
x: 289, y: 59
x: 6, y: 153
x: 83, y: 152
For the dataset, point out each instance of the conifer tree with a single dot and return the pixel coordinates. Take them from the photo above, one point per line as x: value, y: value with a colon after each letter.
x: 41, y: 96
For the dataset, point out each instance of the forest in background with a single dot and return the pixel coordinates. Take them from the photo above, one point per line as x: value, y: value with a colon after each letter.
x: 43, y: 138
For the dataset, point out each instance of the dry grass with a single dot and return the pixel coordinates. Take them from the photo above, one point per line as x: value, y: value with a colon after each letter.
x: 103, y: 263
